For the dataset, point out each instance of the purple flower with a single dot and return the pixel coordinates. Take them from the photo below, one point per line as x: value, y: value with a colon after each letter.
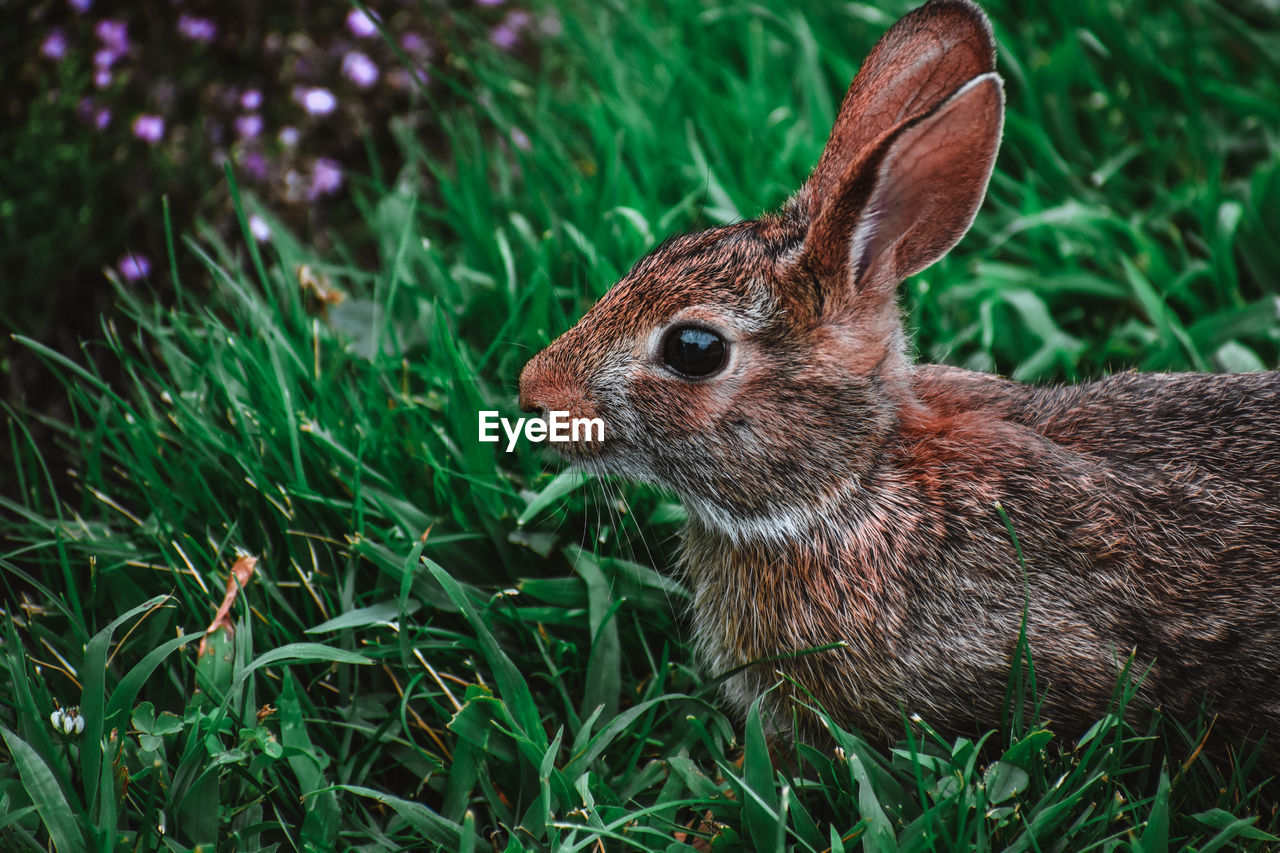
x: 251, y: 99
x: 148, y: 128
x: 326, y: 178
x: 412, y: 42
x: 259, y: 228
x: 249, y: 126
x: 102, y: 78
x: 113, y: 34
x: 288, y: 136
x: 255, y: 165
x: 133, y: 266
x: 520, y: 139
x: 490, y: 2
x: 105, y: 58
x: 55, y: 44
x: 197, y: 29
x: 80, y: 6
x: 504, y: 37
x: 317, y: 101
x: 507, y: 33
x: 94, y: 115
x: 359, y: 69
x: 360, y: 24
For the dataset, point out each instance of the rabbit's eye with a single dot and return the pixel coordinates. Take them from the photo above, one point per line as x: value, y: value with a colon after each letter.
x: 694, y: 352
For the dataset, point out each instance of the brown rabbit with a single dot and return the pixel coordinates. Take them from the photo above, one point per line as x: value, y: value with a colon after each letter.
x: 838, y: 492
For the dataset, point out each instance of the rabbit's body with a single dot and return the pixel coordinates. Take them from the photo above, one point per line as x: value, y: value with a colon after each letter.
x: 838, y: 493
x: 1135, y: 536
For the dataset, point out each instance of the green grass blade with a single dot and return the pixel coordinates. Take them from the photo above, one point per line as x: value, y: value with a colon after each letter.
x: 46, y: 795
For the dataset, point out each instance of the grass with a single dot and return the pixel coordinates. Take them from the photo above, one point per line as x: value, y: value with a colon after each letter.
x: 444, y: 646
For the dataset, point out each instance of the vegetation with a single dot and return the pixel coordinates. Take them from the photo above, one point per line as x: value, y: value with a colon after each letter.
x: 417, y: 641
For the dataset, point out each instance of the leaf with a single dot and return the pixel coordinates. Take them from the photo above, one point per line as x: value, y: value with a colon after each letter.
x: 511, y: 684
x: 375, y: 614
x: 1231, y: 826
x: 39, y: 782
x: 126, y: 692
x: 879, y: 834
x: 1003, y: 780
x: 1027, y: 746
x: 152, y: 729
x: 1235, y: 357
x: 431, y: 825
x: 474, y: 723
x: 604, y: 666
x: 93, y: 698
x: 321, y: 823
x: 1155, y: 835
x: 759, y: 812
x: 698, y: 782
x: 299, y: 653
x: 582, y: 761
x: 565, y: 482
x: 215, y: 667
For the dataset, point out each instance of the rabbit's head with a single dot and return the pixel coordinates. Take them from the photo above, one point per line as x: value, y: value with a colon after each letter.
x: 754, y: 368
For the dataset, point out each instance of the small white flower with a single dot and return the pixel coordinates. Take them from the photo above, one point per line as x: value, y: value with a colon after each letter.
x: 259, y: 228
x: 67, y: 721
x: 360, y: 24
x: 359, y: 69
x: 318, y: 101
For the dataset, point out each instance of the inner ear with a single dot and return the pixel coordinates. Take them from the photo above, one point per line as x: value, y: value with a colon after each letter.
x: 930, y: 184
x: 923, y: 58
x: 908, y: 200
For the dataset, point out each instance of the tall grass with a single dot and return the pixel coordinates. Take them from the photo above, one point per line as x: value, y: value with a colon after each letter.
x: 447, y: 646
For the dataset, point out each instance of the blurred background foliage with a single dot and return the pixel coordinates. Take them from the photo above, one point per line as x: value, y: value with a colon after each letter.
x: 365, y: 252
x: 110, y: 108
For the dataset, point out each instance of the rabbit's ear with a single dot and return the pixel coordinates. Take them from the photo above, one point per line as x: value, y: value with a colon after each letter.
x: 928, y: 54
x: 907, y: 200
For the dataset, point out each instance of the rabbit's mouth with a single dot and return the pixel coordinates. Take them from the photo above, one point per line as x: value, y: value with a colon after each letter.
x: 614, y: 457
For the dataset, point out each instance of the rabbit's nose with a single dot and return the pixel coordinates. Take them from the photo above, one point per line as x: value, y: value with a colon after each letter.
x: 534, y: 385
x: 547, y: 384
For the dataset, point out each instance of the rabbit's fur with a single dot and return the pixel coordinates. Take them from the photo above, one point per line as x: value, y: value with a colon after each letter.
x: 837, y: 492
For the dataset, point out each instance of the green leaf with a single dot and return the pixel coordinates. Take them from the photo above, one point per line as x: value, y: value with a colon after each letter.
x: 474, y: 723
x: 1027, y: 747
x: 512, y: 687
x: 604, y: 665
x: 1155, y: 835
x: 322, y: 821
x: 566, y: 482
x: 299, y: 653
x: 1003, y: 780
x: 93, y: 698
x: 216, y: 666
x: 46, y: 795
x: 1231, y: 826
x: 879, y: 834
x: 431, y: 825
x: 619, y: 724
x: 122, y: 698
x: 375, y: 614
x: 760, y: 812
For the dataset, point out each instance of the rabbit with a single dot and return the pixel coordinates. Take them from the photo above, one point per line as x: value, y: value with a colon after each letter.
x: 838, y: 493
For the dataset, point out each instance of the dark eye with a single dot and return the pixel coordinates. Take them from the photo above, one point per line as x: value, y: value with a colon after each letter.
x: 694, y: 352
